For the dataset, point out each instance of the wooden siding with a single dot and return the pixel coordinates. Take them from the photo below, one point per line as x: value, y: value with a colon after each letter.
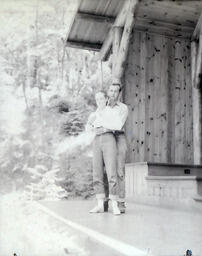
x: 158, y: 92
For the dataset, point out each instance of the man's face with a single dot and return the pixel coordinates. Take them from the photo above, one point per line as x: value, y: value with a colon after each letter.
x: 113, y: 92
x: 100, y: 100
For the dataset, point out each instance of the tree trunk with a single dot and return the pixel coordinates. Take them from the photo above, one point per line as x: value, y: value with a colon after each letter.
x: 25, y: 96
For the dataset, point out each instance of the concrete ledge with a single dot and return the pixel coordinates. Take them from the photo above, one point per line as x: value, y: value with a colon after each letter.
x: 198, y: 198
x: 175, y: 165
x: 161, y: 184
x: 173, y: 178
x: 174, y: 169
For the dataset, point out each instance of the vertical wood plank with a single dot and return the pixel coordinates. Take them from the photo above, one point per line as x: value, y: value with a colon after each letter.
x: 178, y: 95
x: 188, y: 106
x: 164, y: 101
x: 156, y: 98
x: 127, y: 90
x: 171, y: 101
x: 148, y: 99
x: 130, y: 81
x: 135, y: 75
x: 141, y: 113
x: 183, y: 103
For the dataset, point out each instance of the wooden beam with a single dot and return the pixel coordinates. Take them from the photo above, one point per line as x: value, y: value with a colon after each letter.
x: 196, y: 56
x: 162, y: 28
x: 198, y: 73
x: 95, y: 18
x: 119, y: 22
x: 117, y: 32
x: 196, y: 32
x: 150, y: 23
x: 123, y: 50
x: 163, y: 32
x: 106, y: 47
x: 84, y: 45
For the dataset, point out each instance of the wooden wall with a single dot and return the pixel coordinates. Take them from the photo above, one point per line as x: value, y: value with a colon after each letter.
x: 158, y: 93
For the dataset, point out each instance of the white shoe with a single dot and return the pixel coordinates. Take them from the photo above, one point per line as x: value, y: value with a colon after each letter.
x: 99, y: 208
x: 115, y: 208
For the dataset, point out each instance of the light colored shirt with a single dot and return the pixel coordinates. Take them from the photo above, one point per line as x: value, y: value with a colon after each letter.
x: 112, y: 118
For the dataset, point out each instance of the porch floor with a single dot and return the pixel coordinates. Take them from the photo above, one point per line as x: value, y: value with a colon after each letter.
x: 142, y: 230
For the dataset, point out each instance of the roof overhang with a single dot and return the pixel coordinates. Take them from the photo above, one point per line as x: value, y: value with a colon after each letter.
x: 94, y: 20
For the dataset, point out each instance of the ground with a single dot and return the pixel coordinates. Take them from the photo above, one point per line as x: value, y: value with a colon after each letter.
x: 26, y: 230
x: 143, y: 230
x: 50, y: 228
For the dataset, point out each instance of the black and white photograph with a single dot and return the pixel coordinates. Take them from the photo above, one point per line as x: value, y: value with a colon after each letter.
x: 101, y: 128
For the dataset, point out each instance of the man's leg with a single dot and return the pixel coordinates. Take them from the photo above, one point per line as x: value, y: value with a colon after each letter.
x: 110, y: 160
x: 106, y: 186
x: 121, y: 159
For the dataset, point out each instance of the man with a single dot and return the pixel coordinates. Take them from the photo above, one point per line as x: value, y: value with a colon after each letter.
x: 115, y: 122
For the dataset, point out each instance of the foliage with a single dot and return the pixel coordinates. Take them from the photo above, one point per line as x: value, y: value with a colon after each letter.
x: 46, y: 96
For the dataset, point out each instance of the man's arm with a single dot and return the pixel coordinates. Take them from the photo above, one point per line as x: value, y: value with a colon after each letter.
x: 117, y: 121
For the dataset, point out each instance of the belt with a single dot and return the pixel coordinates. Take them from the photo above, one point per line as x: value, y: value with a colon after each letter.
x: 118, y: 132
x: 115, y: 133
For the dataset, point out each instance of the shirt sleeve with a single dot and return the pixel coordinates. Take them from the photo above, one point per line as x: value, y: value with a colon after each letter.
x: 91, y: 119
x: 116, y: 121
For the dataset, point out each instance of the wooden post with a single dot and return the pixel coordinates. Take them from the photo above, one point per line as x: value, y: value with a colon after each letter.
x: 197, y: 124
x: 196, y: 58
x: 123, y: 50
x: 198, y: 74
x: 196, y: 54
x: 119, y: 22
x: 117, y: 31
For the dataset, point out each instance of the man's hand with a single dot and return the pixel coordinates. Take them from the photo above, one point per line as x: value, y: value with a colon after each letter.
x: 100, y: 130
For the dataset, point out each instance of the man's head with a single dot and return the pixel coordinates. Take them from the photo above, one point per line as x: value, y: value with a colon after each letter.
x: 100, y: 98
x: 113, y: 91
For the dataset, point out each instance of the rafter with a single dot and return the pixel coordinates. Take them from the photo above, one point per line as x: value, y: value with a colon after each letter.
x: 95, y: 17
x: 84, y: 45
x: 119, y: 22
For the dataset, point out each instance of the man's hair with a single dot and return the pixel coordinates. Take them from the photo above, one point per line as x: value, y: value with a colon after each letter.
x: 117, y: 84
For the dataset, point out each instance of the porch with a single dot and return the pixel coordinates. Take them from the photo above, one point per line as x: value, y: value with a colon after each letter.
x: 143, y: 230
